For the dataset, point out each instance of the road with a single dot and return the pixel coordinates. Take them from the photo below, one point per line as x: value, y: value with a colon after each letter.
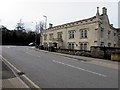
x: 54, y: 71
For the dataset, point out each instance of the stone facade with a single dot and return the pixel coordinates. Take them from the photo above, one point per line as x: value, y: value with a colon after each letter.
x: 82, y: 34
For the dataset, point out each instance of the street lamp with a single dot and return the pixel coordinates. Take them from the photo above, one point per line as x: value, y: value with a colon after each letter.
x: 35, y: 31
x: 45, y: 21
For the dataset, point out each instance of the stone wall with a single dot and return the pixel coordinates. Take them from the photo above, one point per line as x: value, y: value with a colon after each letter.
x: 103, y: 52
x: 74, y: 52
x: 115, y: 56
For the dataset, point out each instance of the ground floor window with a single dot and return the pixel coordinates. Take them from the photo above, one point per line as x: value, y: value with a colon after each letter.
x: 55, y: 45
x: 109, y: 44
x: 83, y: 46
x: 50, y: 44
x: 102, y: 44
x: 70, y: 45
x: 114, y: 45
x: 45, y: 45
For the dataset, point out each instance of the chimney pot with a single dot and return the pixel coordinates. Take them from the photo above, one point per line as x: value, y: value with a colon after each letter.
x: 50, y: 25
x: 104, y: 11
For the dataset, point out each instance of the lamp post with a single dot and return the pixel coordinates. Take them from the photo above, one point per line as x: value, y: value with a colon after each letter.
x: 35, y: 31
x: 45, y: 21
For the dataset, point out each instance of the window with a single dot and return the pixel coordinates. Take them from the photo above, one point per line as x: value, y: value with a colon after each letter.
x: 45, y: 45
x: 60, y: 35
x: 71, y: 46
x: 102, y: 44
x: 114, y: 34
x: 51, y: 36
x: 83, y: 46
x: 109, y: 44
x: 71, y: 34
x: 114, y: 45
x: 50, y: 44
x: 101, y: 32
x: 109, y: 34
x: 83, y: 33
x: 45, y: 37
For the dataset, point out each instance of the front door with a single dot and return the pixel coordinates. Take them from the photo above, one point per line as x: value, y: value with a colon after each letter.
x: 55, y: 45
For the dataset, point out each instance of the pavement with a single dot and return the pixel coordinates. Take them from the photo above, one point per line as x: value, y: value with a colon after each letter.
x: 10, y: 79
x: 101, y: 62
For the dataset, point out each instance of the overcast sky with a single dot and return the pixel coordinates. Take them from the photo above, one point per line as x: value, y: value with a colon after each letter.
x: 57, y: 11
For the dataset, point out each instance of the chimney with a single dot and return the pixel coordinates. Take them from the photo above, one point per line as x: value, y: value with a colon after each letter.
x: 50, y: 25
x: 111, y: 24
x: 97, y: 14
x: 104, y: 10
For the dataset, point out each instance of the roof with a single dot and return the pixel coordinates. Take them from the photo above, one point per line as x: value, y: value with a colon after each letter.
x: 72, y: 23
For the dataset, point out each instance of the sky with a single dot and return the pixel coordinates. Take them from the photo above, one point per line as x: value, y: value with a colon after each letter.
x: 57, y: 11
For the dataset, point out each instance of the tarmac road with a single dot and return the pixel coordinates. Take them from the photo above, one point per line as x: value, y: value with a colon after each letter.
x: 54, y: 71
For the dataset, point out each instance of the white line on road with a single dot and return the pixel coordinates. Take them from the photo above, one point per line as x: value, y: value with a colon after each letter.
x: 32, y: 54
x: 79, y: 68
x: 9, y: 46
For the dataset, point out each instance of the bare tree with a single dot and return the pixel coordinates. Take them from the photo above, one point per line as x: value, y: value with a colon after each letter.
x: 39, y: 26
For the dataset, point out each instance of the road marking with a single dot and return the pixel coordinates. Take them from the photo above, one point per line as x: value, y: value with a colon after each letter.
x: 10, y: 64
x: 32, y: 47
x: 31, y: 82
x: 8, y: 46
x: 79, y: 68
x: 32, y: 54
x: 36, y: 86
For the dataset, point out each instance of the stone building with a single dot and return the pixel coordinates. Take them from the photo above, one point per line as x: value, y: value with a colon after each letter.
x: 82, y: 34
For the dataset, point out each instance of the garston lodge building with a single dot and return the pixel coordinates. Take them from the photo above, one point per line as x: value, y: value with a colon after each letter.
x: 82, y: 34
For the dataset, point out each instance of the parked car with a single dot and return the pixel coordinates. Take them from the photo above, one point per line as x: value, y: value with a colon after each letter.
x: 32, y: 44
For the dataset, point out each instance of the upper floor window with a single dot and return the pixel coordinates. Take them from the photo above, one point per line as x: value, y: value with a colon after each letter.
x: 109, y: 34
x: 71, y: 34
x: 84, y: 33
x: 45, y: 37
x: 114, y: 34
x: 51, y: 36
x: 101, y: 32
x: 59, y: 35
